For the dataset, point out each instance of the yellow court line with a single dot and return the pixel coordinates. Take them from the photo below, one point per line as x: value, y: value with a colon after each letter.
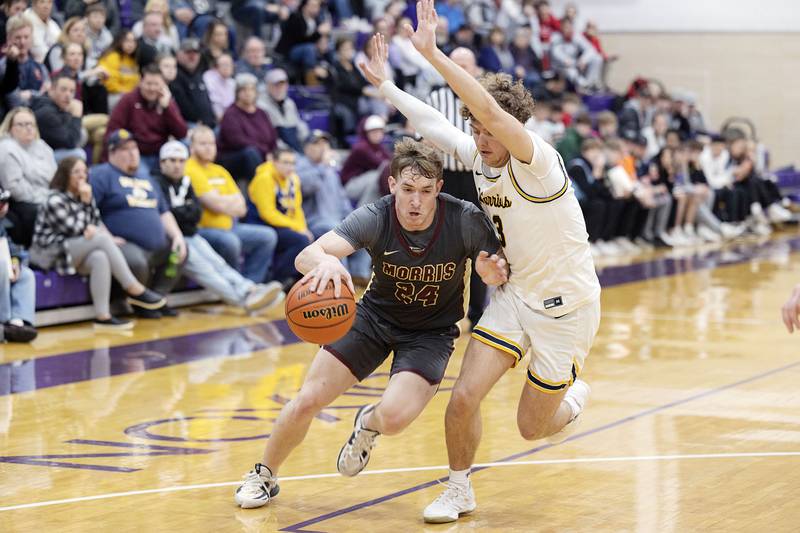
x: 579, y: 460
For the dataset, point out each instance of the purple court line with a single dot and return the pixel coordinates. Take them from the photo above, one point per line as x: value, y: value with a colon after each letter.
x: 61, y: 369
x: 298, y: 528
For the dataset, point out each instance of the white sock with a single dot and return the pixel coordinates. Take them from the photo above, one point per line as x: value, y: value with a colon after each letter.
x: 460, y: 477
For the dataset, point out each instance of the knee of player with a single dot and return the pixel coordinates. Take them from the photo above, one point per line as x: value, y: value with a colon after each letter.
x: 390, y: 422
x: 531, y: 429
x: 462, y: 403
x: 306, y: 405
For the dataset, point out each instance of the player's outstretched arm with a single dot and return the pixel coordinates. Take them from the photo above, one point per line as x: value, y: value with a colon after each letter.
x: 503, y: 126
x: 320, y: 262
x: 791, y: 311
x: 493, y: 269
x: 428, y: 121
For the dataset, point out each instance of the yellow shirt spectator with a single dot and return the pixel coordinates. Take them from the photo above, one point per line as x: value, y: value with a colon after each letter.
x: 277, y: 198
x: 123, y: 72
x: 210, y: 177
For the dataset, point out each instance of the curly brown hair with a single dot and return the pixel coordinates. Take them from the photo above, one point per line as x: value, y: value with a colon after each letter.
x: 422, y: 158
x: 512, y: 96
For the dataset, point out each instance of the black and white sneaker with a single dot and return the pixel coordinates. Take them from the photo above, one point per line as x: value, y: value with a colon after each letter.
x: 257, y: 489
x: 354, y: 455
x: 113, y: 324
x: 147, y: 300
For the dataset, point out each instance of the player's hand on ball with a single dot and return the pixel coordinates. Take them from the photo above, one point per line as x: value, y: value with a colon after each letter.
x: 492, y: 269
x: 791, y: 311
x: 330, y: 269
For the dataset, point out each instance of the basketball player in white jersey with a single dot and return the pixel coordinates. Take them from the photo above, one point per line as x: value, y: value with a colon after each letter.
x: 551, y: 302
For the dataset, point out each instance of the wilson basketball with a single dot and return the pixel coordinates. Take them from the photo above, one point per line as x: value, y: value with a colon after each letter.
x: 320, y: 318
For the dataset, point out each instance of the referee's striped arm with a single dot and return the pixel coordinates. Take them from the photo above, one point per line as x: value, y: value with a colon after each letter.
x: 449, y: 105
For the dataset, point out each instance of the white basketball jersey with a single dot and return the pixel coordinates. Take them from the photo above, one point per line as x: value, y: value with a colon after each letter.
x: 540, y: 225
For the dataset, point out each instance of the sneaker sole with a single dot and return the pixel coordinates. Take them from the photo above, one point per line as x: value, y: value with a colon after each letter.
x: 267, y: 303
x: 446, y: 519
x: 249, y: 503
x: 145, y: 305
x: 110, y: 327
x: 339, y: 457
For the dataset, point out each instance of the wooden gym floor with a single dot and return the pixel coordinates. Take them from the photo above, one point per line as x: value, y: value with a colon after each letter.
x: 693, y: 425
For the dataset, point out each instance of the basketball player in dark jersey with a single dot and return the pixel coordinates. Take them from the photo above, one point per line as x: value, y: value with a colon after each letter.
x: 419, y: 241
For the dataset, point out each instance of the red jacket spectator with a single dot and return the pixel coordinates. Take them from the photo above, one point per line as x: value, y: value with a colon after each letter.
x: 366, y: 154
x: 143, y: 113
x: 240, y: 129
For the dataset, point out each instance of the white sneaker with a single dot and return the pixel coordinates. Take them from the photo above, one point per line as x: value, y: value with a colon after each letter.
x: 708, y: 235
x: 577, y: 396
x: 354, y: 455
x: 731, y: 231
x: 263, y: 296
x: 456, y: 500
x: 626, y: 245
x: 778, y: 214
x: 644, y: 244
x: 758, y: 212
x: 257, y: 489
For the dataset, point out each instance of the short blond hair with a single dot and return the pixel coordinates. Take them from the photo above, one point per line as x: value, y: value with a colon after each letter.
x: 420, y: 157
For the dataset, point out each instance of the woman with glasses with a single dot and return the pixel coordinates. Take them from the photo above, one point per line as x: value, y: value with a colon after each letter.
x: 28, y: 166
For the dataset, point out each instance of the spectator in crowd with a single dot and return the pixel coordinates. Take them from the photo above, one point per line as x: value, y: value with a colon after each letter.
x: 17, y: 289
x: 254, y: 59
x: 277, y: 201
x: 74, y: 31
x: 33, y: 76
x: 88, y: 86
x: 168, y: 66
x: 27, y: 164
x: 9, y: 8
x: 656, y: 134
x: 192, y: 17
x: 189, y: 89
x: 495, y: 55
x: 119, y: 61
x: 632, y: 214
x: 587, y: 172
x: 246, y: 135
x: 168, y: 38
x: 216, y: 41
x: 81, y: 8
x: 99, y: 36
x: 282, y: 110
x: 325, y: 202
x: 549, y: 24
x: 300, y: 32
x: 452, y: 11
x: 608, y: 125
x: 365, y: 162
x: 151, y: 114
x: 255, y: 13
x: 417, y: 74
x: 134, y: 211
x: 58, y: 115
x: 151, y: 42
x: 714, y: 162
x: 223, y: 204
x: 204, y: 265
x: 464, y: 36
x: 573, y: 55
x: 527, y: 64
x: 346, y: 86
x: 45, y: 29
x: 70, y: 237
x: 637, y: 111
x: 592, y: 35
x: 543, y: 122
x: 220, y: 85
x: 570, y: 144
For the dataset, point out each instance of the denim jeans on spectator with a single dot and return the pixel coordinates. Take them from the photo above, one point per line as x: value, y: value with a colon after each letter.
x: 206, y: 267
x: 241, y: 164
x: 290, y: 243
x: 256, y: 243
x: 148, y: 163
x: 304, y: 55
x: 150, y: 267
x: 17, y: 299
x: 63, y: 153
x: 253, y: 15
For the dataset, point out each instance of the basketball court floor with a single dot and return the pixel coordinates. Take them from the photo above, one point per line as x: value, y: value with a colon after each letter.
x: 693, y: 424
